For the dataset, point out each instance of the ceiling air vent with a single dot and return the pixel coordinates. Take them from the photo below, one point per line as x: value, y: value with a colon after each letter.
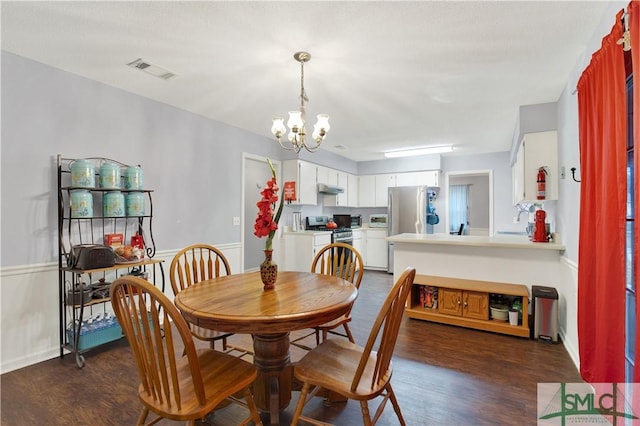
x: 152, y: 69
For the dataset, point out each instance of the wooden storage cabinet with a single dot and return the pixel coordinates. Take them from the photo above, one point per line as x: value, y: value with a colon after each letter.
x: 464, y: 303
x: 77, y: 287
x: 470, y: 304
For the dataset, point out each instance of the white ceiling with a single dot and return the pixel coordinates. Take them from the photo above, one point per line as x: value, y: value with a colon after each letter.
x: 390, y: 74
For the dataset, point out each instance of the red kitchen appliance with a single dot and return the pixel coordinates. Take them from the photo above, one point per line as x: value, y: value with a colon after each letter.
x: 540, y: 228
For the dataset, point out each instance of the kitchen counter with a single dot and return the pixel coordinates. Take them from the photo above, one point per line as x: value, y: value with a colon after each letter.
x: 501, y: 258
x: 306, y: 232
x: 503, y: 241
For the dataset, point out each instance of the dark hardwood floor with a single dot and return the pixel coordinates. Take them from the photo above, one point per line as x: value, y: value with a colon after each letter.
x: 443, y: 375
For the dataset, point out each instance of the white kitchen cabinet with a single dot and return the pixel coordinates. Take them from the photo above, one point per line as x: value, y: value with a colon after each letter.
x: 427, y: 177
x: 366, y: 191
x: 383, y: 183
x: 352, y: 190
x: 358, y: 242
x: 340, y: 179
x: 343, y: 182
x: 373, y: 190
x: 301, y: 248
x: 376, y: 248
x: 322, y: 174
x: 305, y: 176
x: 537, y: 150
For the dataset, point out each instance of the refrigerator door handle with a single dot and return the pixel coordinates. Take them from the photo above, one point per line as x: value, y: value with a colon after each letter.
x: 421, y: 214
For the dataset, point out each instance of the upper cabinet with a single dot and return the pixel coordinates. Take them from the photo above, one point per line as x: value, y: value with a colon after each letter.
x: 359, y: 191
x: 539, y: 149
x: 427, y: 177
x: 367, y: 191
x: 383, y: 183
x: 348, y: 198
x: 352, y: 190
x: 304, y: 175
x: 373, y: 190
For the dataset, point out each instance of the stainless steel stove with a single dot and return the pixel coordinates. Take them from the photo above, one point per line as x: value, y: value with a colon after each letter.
x: 338, y: 235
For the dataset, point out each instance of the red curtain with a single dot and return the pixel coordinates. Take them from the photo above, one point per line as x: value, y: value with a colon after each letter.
x: 634, y: 29
x: 601, y: 245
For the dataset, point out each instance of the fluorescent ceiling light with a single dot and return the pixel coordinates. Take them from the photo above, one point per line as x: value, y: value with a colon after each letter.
x: 154, y: 70
x: 419, y: 151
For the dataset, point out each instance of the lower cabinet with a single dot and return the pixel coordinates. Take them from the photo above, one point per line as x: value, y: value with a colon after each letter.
x: 301, y: 248
x: 358, y: 242
x: 465, y: 303
x: 376, y: 248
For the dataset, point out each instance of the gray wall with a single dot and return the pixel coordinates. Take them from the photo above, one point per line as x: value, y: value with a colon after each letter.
x: 192, y: 163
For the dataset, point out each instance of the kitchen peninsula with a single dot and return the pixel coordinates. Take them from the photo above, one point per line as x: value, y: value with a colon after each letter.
x: 476, y: 266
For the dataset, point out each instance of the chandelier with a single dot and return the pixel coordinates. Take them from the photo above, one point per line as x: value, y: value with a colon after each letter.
x: 296, y: 123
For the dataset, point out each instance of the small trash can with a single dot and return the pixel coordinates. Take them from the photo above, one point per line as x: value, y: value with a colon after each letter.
x: 545, y: 313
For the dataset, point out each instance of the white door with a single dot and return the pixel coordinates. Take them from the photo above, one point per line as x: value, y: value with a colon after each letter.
x: 256, y: 174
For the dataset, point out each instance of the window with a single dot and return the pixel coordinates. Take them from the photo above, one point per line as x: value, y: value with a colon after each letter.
x: 458, y: 207
x: 630, y: 311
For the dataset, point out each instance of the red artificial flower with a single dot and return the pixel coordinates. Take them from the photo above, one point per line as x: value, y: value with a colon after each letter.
x: 266, y: 224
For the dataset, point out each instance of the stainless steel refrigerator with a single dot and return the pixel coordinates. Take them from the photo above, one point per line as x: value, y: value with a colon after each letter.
x: 410, y: 210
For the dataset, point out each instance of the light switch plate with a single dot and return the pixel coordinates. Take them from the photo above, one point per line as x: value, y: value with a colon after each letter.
x: 236, y: 221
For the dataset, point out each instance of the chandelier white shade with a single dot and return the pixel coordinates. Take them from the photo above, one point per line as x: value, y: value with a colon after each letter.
x: 296, y: 123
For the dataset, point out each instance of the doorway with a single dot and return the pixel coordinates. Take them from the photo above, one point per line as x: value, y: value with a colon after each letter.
x: 475, y: 208
x: 255, y: 174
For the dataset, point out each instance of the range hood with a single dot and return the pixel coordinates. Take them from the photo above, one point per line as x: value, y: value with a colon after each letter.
x: 324, y: 188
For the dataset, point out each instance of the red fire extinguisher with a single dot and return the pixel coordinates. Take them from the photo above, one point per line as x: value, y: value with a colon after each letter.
x: 542, y: 185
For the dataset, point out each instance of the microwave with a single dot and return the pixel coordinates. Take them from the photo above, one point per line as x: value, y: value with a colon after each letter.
x: 378, y: 220
x: 356, y: 221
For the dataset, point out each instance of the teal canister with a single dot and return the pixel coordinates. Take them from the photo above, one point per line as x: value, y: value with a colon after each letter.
x: 133, y: 178
x: 81, y: 202
x: 110, y: 176
x: 134, y: 202
x: 83, y: 174
x: 113, y: 204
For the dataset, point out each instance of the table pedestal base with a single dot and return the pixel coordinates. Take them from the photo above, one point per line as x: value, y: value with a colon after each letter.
x: 272, y: 388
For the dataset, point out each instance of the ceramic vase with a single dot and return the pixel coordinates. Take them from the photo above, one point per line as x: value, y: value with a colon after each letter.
x: 268, y: 271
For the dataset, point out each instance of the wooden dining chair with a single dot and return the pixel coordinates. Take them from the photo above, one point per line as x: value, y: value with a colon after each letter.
x: 180, y: 388
x: 343, y: 261
x: 358, y: 373
x: 191, y: 265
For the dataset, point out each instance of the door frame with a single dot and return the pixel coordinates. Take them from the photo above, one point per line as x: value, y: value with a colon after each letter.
x: 469, y: 173
x: 243, y: 225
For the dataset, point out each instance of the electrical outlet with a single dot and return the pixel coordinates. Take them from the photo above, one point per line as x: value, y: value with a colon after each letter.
x: 236, y: 221
x: 562, y: 173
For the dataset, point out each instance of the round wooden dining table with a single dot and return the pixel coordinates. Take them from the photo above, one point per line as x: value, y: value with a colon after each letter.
x: 238, y: 303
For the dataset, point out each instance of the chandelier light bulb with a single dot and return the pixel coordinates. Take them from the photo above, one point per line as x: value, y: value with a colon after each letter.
x: 278, y: 127
x: 295, y: 121
x: 323, y: 122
